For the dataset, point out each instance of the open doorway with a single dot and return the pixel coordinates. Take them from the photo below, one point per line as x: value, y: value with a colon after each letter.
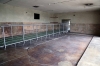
x: 67, y: 24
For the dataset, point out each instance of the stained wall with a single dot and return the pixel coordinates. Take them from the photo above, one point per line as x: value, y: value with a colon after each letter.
x: 83, y: 22
x: 20, y: 15
x: 10, y: 13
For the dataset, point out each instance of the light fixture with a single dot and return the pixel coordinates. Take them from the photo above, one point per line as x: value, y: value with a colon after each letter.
x: 88, y: 4
x: 35, y: 6
x: 7, y: 1
x: 60, y: 2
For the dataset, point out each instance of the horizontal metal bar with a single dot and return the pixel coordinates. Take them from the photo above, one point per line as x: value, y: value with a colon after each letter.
x: 37, y: 36
x: 30, y: 39
x: 2, y: 46
x: 14, y: 43
x: 27, y: 25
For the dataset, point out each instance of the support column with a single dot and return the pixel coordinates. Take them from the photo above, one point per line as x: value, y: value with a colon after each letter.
x: 53, y: 29
x: 59, y: 29
x: 4, y: 37
x: 63, y: 28
x: 33, y: 29
x: 46, y: 31
x: 37, y: 33
x: 11, y: 32
x: 23, y: 35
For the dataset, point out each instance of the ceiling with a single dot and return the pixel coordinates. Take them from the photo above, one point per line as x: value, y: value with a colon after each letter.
x: 56, y: 6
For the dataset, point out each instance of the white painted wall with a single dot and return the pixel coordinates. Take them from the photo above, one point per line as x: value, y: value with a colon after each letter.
x: 10, y: 13
x: 92, y: 17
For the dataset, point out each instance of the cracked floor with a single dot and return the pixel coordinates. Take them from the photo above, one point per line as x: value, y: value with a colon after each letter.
x: 62, y: 51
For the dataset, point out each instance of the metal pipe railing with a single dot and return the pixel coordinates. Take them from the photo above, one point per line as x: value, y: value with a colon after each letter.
x: 23, y: 35
x: 53, y: 29
x: 37, y: 33
x: 58, y: 31
x: 4, y: 37
x: 11, y: 32
x: 46, y: 31
x: 63, y: 28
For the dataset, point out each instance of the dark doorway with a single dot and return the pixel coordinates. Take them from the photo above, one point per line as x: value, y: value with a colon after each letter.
x: 67, y: 24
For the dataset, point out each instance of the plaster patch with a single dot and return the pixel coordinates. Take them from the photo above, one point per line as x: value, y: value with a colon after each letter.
x: 64, y: 63
x: 48, y: 50
x: 61, y: 50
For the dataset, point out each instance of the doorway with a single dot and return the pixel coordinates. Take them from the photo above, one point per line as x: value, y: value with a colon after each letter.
x: 67, y: 24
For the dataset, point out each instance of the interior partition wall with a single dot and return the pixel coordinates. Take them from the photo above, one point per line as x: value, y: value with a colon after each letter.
x: 13, y: 34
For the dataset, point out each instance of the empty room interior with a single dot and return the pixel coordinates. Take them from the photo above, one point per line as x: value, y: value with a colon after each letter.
x: 49, y: 32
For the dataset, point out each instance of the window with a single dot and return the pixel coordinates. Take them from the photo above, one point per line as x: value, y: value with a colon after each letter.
x: 36, y: 16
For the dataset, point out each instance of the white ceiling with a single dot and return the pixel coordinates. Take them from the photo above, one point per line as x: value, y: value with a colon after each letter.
x: 56, y: 6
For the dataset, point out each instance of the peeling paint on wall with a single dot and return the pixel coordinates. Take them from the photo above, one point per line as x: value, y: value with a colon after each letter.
x: 86, y: 28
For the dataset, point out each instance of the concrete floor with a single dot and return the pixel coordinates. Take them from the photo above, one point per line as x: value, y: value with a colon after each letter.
x: 62, y: 51
x: 91, y: 56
